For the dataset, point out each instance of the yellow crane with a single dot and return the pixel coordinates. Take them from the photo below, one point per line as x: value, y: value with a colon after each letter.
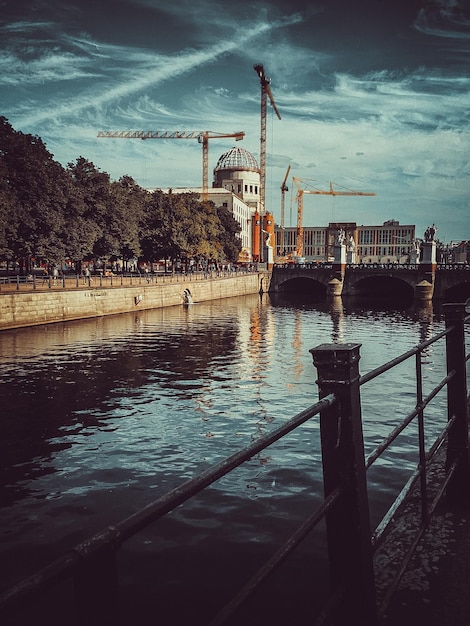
x: 265, y: 92
x: 284, y: 188
x: 202, y: 136
x: 311, y: 189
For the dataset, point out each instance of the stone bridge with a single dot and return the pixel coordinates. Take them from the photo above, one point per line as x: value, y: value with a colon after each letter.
x: 449, y: 282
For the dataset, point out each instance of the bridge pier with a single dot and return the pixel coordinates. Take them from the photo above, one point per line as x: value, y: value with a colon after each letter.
x: 335, y: 287
x: 336, y: 282
x: 424, y: 290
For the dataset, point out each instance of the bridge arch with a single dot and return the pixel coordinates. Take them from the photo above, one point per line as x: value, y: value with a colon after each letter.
x: 302, y: 284
x: 381, y: 286
x: 457, y: 293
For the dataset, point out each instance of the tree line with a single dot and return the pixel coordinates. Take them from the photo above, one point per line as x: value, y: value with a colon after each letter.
x: 53, y: 213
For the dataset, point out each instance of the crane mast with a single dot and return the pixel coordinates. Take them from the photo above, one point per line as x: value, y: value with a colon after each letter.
x: 314, y: 190
x: 284, y: 188
x: 202, y: 137
x: 265, y: 92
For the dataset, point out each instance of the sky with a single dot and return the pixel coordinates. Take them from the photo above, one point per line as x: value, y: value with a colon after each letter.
x: 373, y: 96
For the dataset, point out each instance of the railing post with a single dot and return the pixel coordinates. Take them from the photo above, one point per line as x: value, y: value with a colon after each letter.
x: 458, y: 489
x: 348, y: 522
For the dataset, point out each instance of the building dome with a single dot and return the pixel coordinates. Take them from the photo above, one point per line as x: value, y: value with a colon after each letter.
x: 237, y: 159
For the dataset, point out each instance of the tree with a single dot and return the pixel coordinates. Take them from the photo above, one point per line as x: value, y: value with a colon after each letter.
x: 54, y: 214
x: 165, y: 227
x: 130, y: 200
x: 32, y: 195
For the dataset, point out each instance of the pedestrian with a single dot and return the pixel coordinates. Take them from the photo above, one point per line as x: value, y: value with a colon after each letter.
x: 87, y: 275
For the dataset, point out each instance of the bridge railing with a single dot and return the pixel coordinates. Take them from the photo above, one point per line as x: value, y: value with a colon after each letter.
x: 367, y: 266
x: 351, y: 544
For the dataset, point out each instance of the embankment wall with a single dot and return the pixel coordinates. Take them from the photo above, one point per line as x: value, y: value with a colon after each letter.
x: 30, y: 308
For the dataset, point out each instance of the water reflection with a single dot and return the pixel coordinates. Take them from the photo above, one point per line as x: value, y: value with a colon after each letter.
x: 337, y: 316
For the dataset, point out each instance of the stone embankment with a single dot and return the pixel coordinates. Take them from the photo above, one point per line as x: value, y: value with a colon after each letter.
x: 30, y: 307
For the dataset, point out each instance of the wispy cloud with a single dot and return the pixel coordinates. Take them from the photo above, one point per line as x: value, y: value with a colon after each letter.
x: 446, y: 19
x: 150, y: 73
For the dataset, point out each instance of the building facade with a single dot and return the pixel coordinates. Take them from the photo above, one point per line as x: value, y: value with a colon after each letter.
x: 390, y: 242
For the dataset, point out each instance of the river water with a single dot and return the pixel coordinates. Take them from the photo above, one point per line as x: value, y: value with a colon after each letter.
x: 100, y: 417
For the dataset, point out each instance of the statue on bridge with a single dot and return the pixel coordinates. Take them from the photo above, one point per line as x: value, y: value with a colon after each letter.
x: 429, y: 245
x: 430, y: 233
x: 340, y: 237
x: 351, y: 250
x: 415, y: 252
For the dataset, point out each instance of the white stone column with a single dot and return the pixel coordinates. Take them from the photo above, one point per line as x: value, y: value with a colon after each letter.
x: 429, y: 252
x: 340, y: 253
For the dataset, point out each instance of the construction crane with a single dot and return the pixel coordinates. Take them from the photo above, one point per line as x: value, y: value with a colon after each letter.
x: 284, y: 188
x: 310, y: 189
x: 202, y: 136
x: 265, y: 92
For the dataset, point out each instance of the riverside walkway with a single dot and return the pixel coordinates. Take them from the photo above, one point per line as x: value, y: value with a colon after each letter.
x: 435, y: 589
x: 33, y: 282
x: 28, y: 301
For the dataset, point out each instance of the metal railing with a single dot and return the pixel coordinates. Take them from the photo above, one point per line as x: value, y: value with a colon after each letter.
x: 108, y: 279
x: 351, y: 544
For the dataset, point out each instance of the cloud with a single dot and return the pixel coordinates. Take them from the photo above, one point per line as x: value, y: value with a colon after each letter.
x: 445, y: 19
x: 149, y: 72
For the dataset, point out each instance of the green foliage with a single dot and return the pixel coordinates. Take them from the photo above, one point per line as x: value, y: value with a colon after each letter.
x: 53, y: 213
x: 32, y: 196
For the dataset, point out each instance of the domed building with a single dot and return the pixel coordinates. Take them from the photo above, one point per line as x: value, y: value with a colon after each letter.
x: 238, y: 171
x: 236, y: 186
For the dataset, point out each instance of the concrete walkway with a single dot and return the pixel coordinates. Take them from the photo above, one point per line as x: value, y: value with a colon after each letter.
x: 435, y: 591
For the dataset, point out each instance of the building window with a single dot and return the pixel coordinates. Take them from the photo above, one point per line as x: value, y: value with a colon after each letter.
x: 365, y: 237
x: 385, y: 236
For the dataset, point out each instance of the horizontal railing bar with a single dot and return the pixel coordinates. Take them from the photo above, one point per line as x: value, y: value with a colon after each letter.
x: 365, y: 378
x: 440, y: 492
x: 52, y: 573
x: 375, y: 454
x: 378, y: 534
x: 380, y: 449
x: 276, y: 559
x: 133, y: 524
x: 440, y: 439
x: 116, y: 535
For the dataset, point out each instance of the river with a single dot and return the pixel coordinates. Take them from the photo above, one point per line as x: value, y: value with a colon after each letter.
x: 99, y: 417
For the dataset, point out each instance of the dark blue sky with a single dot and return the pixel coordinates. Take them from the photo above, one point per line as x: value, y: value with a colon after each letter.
x: 373, y: 95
